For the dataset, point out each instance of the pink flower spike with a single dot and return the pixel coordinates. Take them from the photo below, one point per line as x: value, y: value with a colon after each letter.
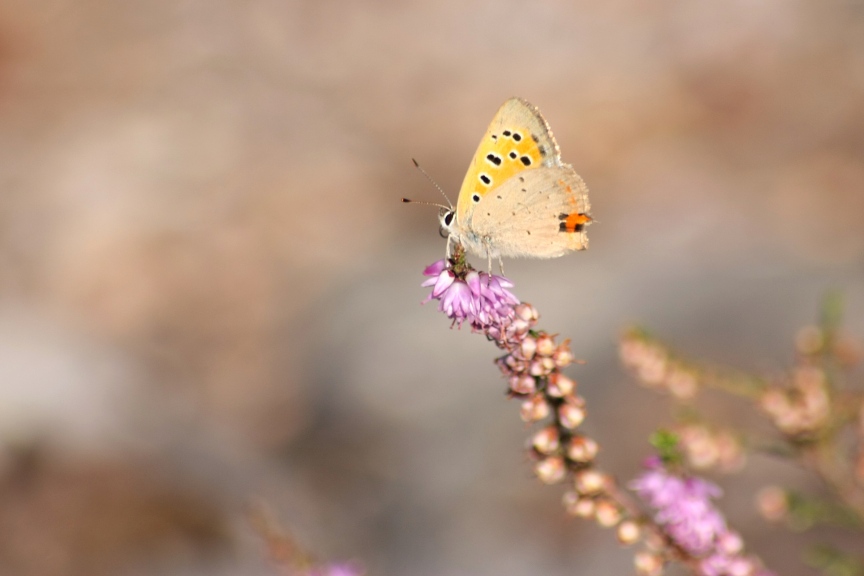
x: 686, y: 512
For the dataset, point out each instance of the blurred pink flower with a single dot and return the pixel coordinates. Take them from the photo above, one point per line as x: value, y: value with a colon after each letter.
x: 685, y: 511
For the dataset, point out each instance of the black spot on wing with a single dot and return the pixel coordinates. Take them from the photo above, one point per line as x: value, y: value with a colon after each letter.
x: 526, y: 160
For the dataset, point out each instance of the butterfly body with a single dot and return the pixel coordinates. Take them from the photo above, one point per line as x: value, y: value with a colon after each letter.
x: 518, y: 198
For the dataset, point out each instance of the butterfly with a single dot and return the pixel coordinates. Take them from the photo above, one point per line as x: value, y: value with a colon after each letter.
x: 518, y: 198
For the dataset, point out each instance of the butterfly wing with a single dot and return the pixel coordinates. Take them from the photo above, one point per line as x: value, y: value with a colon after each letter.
x: 542, y: 213
x: 518, y: 139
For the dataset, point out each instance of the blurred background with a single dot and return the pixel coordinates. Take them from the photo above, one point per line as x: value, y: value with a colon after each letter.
x: 209, y: 291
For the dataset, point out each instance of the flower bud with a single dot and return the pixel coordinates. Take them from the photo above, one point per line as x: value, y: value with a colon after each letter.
x: 520, y: 326
x: 571, y: 415
x: 648, y: 564
x: 563, y: 356
x: 608, y: 513
x: 550, y: 470
x: 528, y: 347
x: 539, y: 367
x: 578, y: 506
x: 628, y: 532
x: 514, y: 364
x: 582, y: 449
x: 730, y: 542
x: 682, y: 384
x: 535, y: 368
x: 534, y: 409
x: 545, y: 345
x: 526, y: 312
x: 589, y: 482
x: 524, y: 384
x: 546, y: 441
x: 560, y: 385
x: 652, y: 370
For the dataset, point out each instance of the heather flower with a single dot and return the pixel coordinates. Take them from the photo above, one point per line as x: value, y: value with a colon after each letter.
x: 654, y: 367
x: 683, y: 507
x: 482, y: 300
x: 804, y: 407
x: 707, y: 448
x: 685, y: 511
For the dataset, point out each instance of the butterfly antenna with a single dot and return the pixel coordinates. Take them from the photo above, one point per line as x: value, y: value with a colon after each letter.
x: 417, y: 165
x: 409, y: 201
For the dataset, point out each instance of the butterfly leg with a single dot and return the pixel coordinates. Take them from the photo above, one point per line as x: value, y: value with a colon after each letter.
x: 500, y: 265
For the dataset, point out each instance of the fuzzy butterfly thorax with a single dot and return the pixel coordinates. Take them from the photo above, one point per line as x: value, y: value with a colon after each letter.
x: 518, y: 198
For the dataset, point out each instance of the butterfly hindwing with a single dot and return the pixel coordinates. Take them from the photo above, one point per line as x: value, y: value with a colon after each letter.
x: 518, y: 139
x: 540, y: 213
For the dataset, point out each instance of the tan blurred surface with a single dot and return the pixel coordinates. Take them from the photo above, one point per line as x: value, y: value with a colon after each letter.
x: 206, y: 273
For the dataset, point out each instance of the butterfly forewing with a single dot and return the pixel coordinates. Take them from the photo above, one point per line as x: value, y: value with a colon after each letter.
x: 518, y: 139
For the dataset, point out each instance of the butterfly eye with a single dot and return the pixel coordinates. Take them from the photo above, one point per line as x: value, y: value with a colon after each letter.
x: 448, y: 218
